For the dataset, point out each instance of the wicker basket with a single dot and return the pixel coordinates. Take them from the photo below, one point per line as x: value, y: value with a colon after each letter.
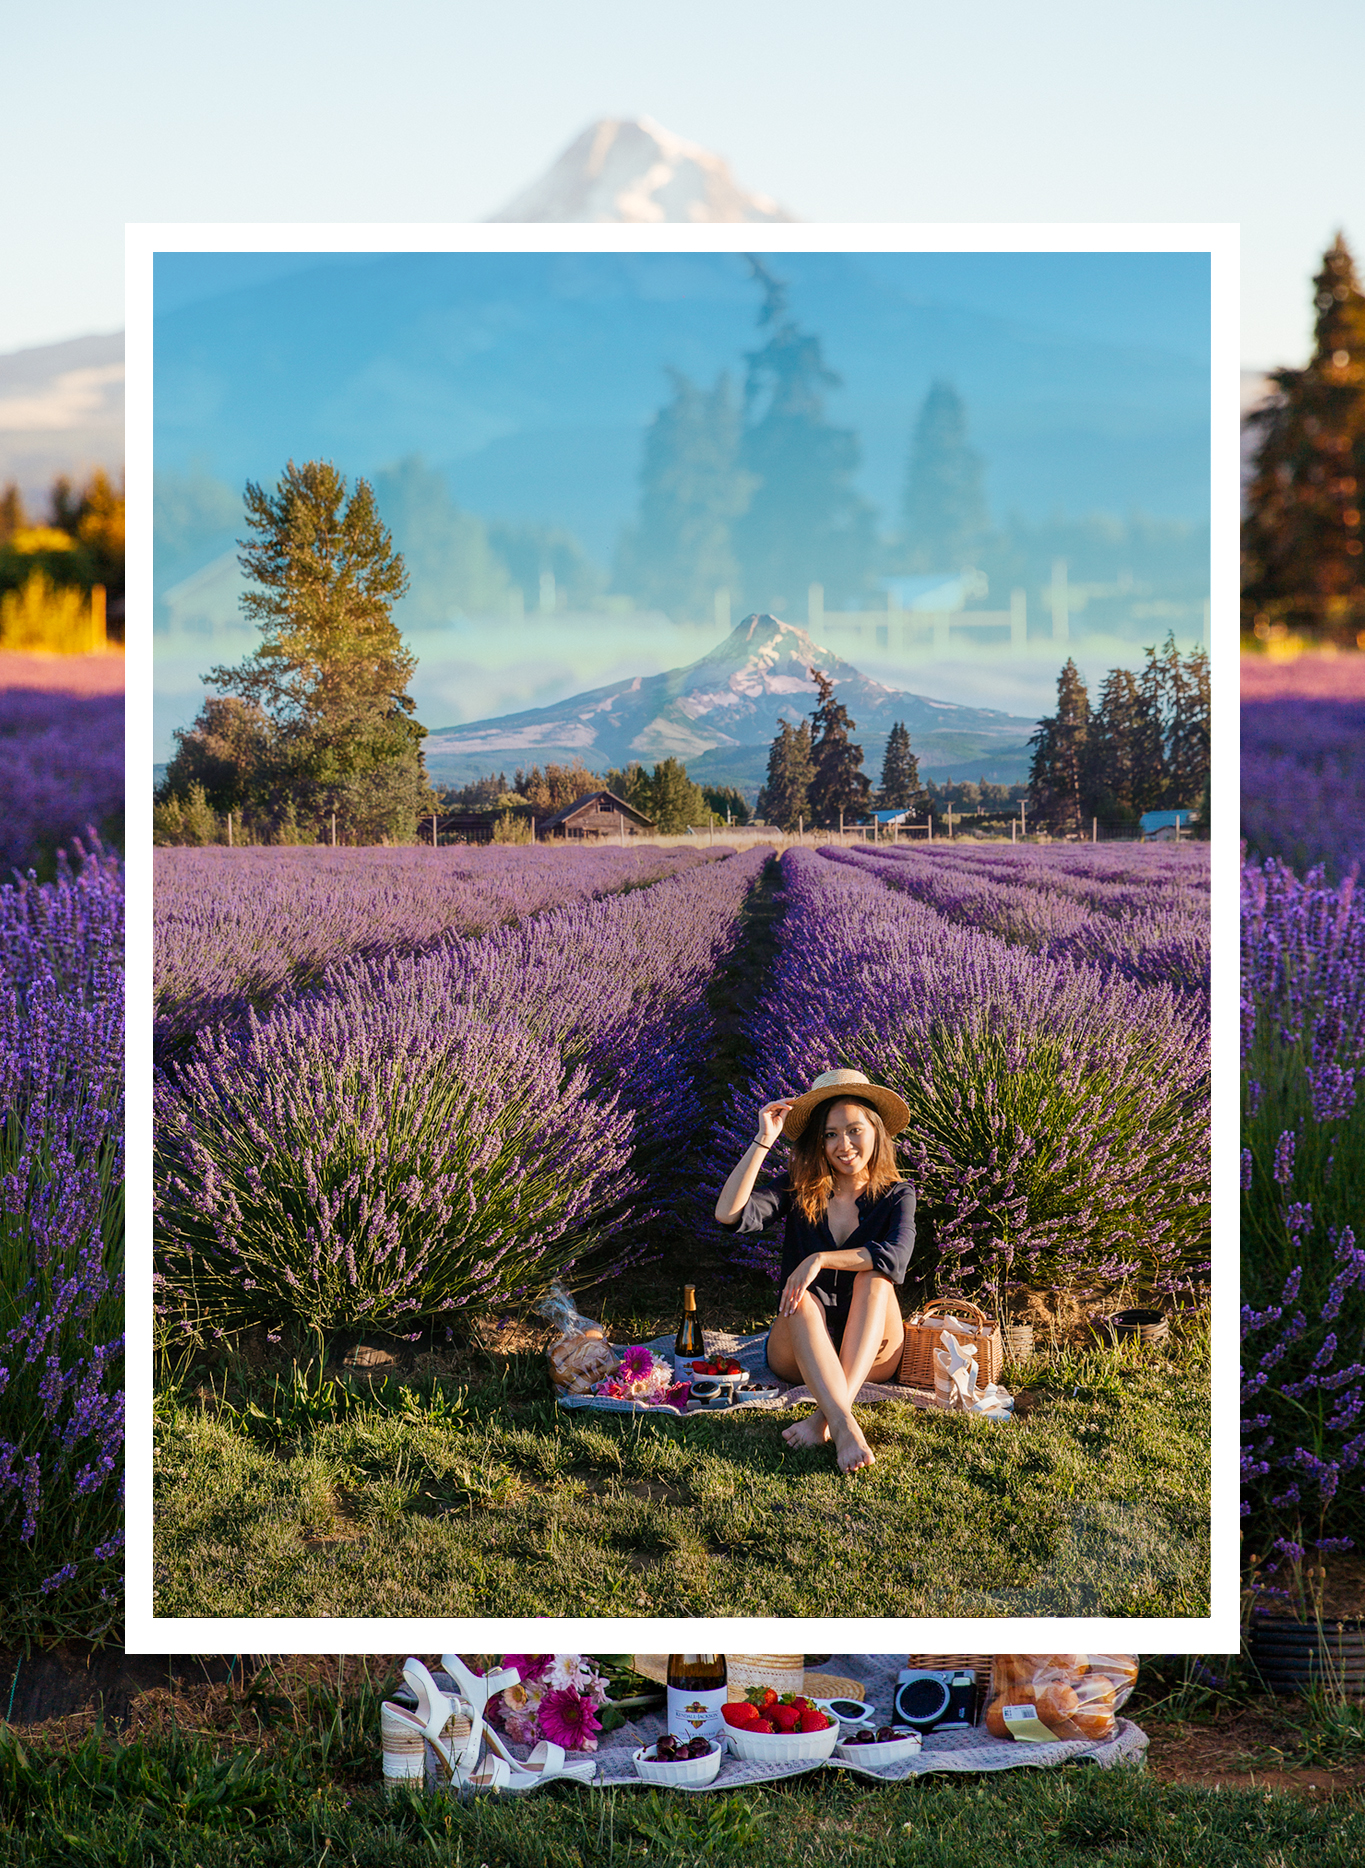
x: 978, y: 1664
x: 922, y: 1332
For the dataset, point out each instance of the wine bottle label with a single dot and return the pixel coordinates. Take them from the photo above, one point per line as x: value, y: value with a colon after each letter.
x: 693, y: 1714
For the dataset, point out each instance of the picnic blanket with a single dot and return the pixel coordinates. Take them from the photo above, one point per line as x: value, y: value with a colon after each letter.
x: 748, y: 1351
x: 963, y: 1749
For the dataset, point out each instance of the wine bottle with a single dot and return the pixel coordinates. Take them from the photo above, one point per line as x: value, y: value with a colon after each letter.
x: 696, y: 1695
x: 688, y: 1344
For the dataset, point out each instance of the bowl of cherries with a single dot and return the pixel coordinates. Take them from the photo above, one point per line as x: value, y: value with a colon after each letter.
x: 684, y: 1764
x: 875, y: 1746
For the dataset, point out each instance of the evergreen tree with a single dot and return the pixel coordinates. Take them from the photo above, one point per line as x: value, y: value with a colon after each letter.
x: 805, y: 522
x: 1113, y: 781
x: 727, y: 802
x: 1303, y: 560
x: 675, y: 802
x: 900, y: 789
x: 692, y: 490
x: 1172, y: 761
x: 12, y: 515
x: 1058, y: 765
x: 330, y: 676
x: 944, y: 508
x: 785, y: 798
x: 839, y: 786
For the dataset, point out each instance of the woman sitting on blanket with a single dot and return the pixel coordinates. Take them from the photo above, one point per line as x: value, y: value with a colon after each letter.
x: 850, y: 1234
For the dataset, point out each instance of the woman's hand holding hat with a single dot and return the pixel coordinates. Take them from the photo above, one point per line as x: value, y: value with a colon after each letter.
x: 770, y: 1119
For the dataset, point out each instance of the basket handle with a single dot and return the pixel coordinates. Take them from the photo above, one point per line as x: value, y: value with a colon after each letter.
x: 949, y: 1304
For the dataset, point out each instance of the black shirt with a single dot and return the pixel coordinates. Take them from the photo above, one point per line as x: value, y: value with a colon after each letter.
x: 886, y: 1229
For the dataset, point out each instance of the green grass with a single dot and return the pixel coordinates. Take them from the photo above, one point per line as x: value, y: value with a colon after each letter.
x: 430, y: 1500
x: 173, y: 1803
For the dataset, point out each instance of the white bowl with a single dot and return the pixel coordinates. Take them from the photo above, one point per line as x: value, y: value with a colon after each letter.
x: 686, y: 1774
x: 892, y: 1751
x: 782, y: 1747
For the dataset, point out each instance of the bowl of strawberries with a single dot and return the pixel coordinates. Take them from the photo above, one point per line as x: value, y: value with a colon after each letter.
x: 766, y: 1727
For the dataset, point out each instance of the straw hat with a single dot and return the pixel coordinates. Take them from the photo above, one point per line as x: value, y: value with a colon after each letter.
x: 893, y: 1112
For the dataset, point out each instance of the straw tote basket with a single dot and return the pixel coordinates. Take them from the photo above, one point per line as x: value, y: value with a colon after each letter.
x: 922, y: 1332
x: 785, y: 1673
x: 978, y: 1664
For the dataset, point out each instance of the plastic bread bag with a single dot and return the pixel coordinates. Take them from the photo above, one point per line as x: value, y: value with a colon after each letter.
x: 1037, y: 1697
x: 580, y: 1355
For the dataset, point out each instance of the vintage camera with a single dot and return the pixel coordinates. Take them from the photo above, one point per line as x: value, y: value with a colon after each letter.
x: 928, y: 1697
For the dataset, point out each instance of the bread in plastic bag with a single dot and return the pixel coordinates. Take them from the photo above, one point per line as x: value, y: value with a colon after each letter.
x: 1037, y: 1696
x: 580, y: 1356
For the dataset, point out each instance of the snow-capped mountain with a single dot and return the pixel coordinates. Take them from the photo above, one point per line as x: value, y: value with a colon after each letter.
x: 632, y: 169
x: 733, y: 697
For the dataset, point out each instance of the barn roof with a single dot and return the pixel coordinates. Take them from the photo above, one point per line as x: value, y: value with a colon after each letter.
x: 589, y: 798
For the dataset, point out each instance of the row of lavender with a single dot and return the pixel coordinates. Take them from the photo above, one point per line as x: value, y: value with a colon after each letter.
x: 61, y: 1252
x: 1303, y: 1194
x: 421, y: 1131
x: 1303, y: 761
x: 1059, y: 1118
x: 233, y: 927
x: 1147, y: 921
x: 61, y: 771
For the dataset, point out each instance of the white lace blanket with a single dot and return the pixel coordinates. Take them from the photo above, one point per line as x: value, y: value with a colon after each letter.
x: 749, y: 1351
x: 970, y: 1749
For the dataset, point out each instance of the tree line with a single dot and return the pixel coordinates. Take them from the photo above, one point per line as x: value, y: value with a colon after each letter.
x: 78, y: 544
x: 1144, y: 747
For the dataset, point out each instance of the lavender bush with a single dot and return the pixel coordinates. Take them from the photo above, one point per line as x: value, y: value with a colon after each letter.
x: 424, y: 1132
x: 1148, y: 928
x: 1303, y: 1195
x: 61, y: 771
x: 61, y: 1252
x: 233, y: 927
x: 1059, y: 1125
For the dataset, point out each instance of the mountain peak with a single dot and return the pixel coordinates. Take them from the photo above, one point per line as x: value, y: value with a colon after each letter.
x: 632, y: 169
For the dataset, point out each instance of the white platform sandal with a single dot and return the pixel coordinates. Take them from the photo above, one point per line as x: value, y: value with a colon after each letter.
x: 546, y: 1763
x: 448, y: 1724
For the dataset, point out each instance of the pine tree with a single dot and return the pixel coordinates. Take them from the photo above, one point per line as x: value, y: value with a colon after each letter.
x: 727, y: 802
x: 900, y: 789
x: 330, y: 676
x: 1303, y: 560
x: 675, y: 802
x: 1058, y: 765
x: 12, y: 515
x: 943, y: 508
x: 1111, y: 788
x: 678, y: 553
x: 805, y: 523
x: 785, y: 799
x: 839, y: 787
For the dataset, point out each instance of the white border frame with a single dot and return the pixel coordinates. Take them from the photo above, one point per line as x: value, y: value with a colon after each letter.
x: 1219, y: 1631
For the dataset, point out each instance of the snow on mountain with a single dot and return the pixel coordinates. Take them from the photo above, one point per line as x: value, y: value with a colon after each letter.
x: 632, y: 169
x: 734, y: 696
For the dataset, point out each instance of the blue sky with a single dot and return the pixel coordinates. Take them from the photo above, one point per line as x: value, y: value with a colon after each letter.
x: 893, y: 109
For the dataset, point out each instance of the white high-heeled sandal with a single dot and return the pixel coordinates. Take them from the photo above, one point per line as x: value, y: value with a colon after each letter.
x: 450, y: 1725
x: 545, y: 1763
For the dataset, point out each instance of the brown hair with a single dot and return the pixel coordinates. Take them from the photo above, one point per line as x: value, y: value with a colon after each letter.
x: 813, y: 1177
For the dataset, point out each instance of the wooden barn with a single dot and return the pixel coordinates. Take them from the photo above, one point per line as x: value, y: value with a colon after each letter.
x: 596, y: 815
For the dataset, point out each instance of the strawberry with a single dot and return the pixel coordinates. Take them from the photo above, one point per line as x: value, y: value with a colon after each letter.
x: 785, y: 1718
x: 739, y: 1712
x: 769, y: 1698
x: 761, y: 1725
x: 813, y: 1721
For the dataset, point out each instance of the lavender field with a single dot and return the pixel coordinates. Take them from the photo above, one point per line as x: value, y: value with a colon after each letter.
x: 412, y: 1139
x: 1303, y: 760
x: 399, y: 1084
x: 61, y: 1253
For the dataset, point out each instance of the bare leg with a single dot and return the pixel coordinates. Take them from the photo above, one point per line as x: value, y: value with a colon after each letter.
x: 871, y: 1345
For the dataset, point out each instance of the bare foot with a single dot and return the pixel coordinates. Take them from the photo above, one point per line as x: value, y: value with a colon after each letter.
x: 853, y: 1451
x: 812, y: 1431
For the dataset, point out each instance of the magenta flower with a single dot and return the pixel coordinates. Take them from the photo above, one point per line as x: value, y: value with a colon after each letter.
x: 637, y: 1365
x: 678, y: 1395
x: 568, y: 1720
x: 529, y: 1666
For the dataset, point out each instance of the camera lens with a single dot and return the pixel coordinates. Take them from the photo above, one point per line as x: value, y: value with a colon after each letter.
x: 921, y: 1702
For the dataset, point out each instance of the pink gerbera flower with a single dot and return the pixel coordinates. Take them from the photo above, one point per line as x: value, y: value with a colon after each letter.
x: 637, y: 1365
x: 568, y: 1720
